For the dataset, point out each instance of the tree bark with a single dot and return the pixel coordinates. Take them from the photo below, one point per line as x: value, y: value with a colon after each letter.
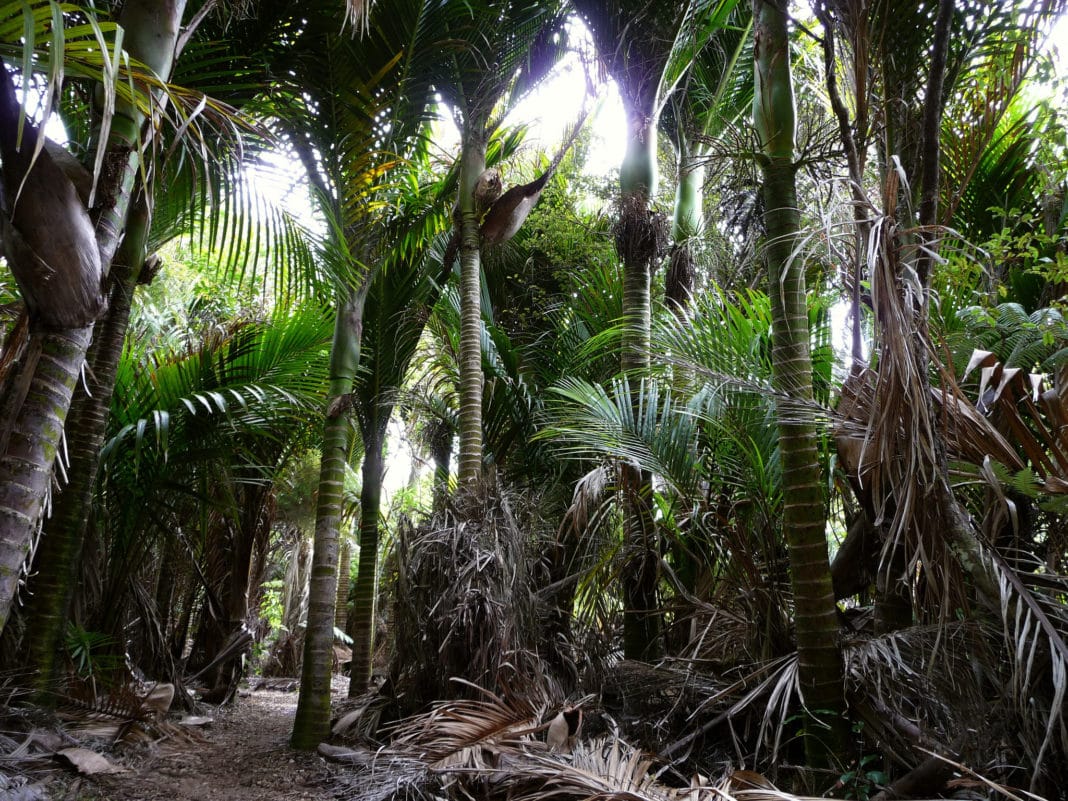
x: 804, y: 520
x: 56, y: 358
x: 472, y: 165
x: 63, y: 536
x: 312, y: 722
x: 364, y: 596
x: 344, y: 585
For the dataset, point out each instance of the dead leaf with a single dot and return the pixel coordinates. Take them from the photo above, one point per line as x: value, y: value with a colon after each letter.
x: 159, y: 699
x: 87, y: 762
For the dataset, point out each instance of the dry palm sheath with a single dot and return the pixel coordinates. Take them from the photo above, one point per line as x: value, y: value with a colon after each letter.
x: 507, y: 213
x: 48, y: 238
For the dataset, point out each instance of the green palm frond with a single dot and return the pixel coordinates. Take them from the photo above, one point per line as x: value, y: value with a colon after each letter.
x: 1018, y: 339
x: 248, y: 378
x: 701, y: 22
x: 649, y: 429
x: 726, y: 341
x: 717, y: 91
x: 487, y: 47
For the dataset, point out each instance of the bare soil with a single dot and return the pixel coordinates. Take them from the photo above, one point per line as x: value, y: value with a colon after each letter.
x: 243, y: 756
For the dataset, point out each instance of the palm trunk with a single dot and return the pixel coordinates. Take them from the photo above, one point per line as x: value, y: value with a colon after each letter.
x: 312, y: 721
x: 59, y: 554
x: 363, y: 629
x: 26, y: 466
x: 687, y: 224
x: 54, y: 366
x: 472, y: 165
x: 820, y: 666
x: 441, y: 453
x: 637, y: 241
x: 344, y: 585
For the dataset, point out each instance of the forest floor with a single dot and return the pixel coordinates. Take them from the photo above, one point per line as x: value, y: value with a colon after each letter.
x: 243, y: 756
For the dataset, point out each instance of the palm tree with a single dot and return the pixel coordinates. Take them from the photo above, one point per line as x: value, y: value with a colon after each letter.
x: 496, y: 52
x: 198, y: 433
x: 350, y: 110
x: 648, y: 48
x: 176, y: 193
x: 399, y: 303
x: 804, y: 518
x: 44, y: 384
x: 715, y: 95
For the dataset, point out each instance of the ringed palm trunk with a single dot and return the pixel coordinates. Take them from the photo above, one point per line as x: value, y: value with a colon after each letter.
x: 635, y: 241
x: 820, y: 667
x: 63, y: 536
x: 364, y: 596
x: 344, y: 566
x: 441, y: 453
x: 472, y: 165
x: 312, y: 722
x: 36, y: 425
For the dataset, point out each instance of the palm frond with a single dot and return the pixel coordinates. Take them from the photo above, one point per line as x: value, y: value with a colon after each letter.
x: 454, y: 734
x: 650, y: 430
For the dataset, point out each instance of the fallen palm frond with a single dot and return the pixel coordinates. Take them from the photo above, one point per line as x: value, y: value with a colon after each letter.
x: 610, y: 769
x: 469, y: 733
x: 126, y: 714
x: 922, y: 685
x: 606, y: 768
x: 388, y: 776
x: 770, y: 688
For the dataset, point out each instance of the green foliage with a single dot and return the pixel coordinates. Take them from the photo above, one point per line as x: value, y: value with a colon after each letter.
x: 864, y: 779
x: 1035, y: 341
x: 92, y: 654
x: 1026, y: 483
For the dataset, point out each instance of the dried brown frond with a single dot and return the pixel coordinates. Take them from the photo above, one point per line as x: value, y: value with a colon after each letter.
x: 606, y: 768
x: 464, y: 733
x: 465, y: 606
x: 387, y: 776
x: 681, y: 276
x: 128, y: 713
x: 923, y: 675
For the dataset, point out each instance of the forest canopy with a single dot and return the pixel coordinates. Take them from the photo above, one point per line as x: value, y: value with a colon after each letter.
x: 335, y: 343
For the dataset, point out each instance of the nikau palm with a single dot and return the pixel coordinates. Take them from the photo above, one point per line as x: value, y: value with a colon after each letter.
x: 376, y: 88
x: 495, y: 52
x: 648, y: 47
x: 43, y: 386
x: 804, y: 520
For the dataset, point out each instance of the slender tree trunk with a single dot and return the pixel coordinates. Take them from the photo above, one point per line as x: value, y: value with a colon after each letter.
x: 441, y: 453
x: 472, y: 165
x: 344, y: 585
x: 26, y: 467
x: 820, y: 666
x: 364, y: 597
x: 59, y: 554
x: 56, y: 360
x: 312, y: 722
x: 638, y: 240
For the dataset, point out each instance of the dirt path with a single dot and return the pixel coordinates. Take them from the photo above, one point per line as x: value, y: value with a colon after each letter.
x: 245, y: 757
